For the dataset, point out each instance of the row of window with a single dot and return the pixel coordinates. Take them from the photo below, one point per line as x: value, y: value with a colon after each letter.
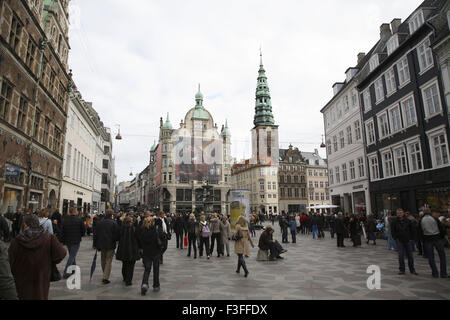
x: 316, y: 184
x: 49, y: 78
x: 348, y: 102
x: 288, y: 192
x: 407, y: 157
x: 79, y: 168
x: 356, y: 170
x: 398, y: 76
x: 289, y: 179
x: 402, y: 114
x: 323, y: 196
x: 317, y: 173
x: 350, y: 136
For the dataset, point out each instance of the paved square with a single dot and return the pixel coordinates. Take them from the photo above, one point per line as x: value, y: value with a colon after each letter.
x: 312, y: 269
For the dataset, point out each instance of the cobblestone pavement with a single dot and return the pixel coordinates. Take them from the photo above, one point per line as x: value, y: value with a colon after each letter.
x: 311, y: 270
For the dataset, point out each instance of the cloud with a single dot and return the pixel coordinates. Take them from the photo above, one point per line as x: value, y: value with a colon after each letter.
x: 139, y: 59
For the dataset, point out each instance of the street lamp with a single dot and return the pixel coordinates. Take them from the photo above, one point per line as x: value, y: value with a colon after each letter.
x: 323, y: 144
x: 118, y: 136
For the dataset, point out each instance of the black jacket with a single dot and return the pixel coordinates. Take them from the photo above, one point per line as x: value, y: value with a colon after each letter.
x: 72, y: 230
x: 128, y: 249
x: 178, y: 225
x: 192, y: 227
x: 339, y: 226
x: 150, y: 241
x: 265, y: 240
x: 106, y: 234
x: 402, y: 230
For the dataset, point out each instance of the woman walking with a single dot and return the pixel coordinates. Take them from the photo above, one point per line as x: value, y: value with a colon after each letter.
x: 128, y: 250
x: 355, y: 230
x: 226, y: 234
x: 215, y: 235
x: 45, y: 222
x: 150, y: 244
x: 242, y: 237
x: 205, y: 233
x: 192, y: 229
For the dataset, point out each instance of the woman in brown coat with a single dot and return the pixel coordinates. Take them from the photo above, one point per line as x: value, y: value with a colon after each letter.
x: 242, y: 237
x: 31, y: 255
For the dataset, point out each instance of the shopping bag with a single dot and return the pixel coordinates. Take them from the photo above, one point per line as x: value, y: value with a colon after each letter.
x: 185, y: 241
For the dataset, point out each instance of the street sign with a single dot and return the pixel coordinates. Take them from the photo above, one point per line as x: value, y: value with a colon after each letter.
x: 12, y: 171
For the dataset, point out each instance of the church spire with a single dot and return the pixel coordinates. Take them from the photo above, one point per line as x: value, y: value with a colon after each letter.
x: 263, y: 108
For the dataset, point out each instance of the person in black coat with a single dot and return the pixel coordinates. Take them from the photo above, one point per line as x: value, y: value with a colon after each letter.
x: 331, y: 222
x: 72, y: 230
x: 371, y: 228
x: 320, y: 225
x: 193, y: 233
x: 266, y: 242
x: 355, y: 230
x: 402, y: 232
x: 128, y: 249
x: 17, y: 222
x: 178, y: 228
x: 150, y: 241
x: 339, y: 228
x: 284, y: 224
x: 106, y: 235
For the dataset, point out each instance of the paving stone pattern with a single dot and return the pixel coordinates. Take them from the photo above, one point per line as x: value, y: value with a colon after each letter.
x: 311, y: 270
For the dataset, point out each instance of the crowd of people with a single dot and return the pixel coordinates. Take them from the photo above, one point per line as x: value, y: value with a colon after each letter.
x: 38, y: 240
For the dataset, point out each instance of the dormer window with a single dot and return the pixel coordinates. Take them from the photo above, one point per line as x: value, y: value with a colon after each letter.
x: 373, y: 62
x: 392, y: 44
x: 416, y: 21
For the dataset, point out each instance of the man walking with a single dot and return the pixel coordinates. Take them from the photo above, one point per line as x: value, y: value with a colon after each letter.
x: 340, y: 230
x: 106, y: 235
x: 72, y: 230
x: 433, y: 233
x: 403, y: 234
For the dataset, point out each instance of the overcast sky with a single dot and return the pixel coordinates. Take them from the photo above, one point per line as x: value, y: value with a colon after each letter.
x: 136, y: 60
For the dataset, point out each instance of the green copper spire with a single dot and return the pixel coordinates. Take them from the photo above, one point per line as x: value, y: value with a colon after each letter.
x: 153, y: 148
x: 167, y: 125
x: 263, y: 108
x: 199, y: 112
x: 225, y: 130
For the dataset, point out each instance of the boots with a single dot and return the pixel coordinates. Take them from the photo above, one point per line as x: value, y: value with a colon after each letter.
x: 239, y: 267
x: 244, y: 266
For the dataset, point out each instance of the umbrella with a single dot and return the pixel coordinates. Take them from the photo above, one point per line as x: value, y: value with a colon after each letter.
x: 94, y: 264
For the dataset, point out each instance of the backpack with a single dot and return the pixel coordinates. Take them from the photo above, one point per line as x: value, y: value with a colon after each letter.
x: 206, y: 233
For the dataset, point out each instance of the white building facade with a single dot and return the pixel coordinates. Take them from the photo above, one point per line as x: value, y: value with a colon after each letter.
x: 79, y: 158
x: 347, y: 167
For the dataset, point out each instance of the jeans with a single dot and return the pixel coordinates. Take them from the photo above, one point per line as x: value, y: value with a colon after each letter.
x: 204, y: 242
x: 392, y: 244
x: 402, y: 249
x: 73, y: 250
x: 148, y: 262
x: 128, y: 271
x: 332, y: 232
x: 315, y: 231
x: 428, y: 247
x: 293, y: 233
x: 179, y: 240
x: 284, y: 235
x: 192, y: 243
x: 216, y: 237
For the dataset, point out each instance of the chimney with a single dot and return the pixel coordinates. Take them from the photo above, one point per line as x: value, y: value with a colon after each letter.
x: 316, y: 152
x: 395, y: 24
x: 385, y: 31
x: 361, y: 56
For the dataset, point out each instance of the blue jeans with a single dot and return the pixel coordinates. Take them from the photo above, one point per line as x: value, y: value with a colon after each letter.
x: 315, y: 231
x: 73, y: 250
x: 391, y: 242
x: 148, y: 263
x: 402, y: 249
x: 428, y: 247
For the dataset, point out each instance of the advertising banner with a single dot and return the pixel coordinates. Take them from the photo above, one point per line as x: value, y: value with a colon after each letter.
x: 239, y: 206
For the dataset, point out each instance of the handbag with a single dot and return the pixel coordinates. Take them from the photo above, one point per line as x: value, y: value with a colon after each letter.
x: 237, y: 236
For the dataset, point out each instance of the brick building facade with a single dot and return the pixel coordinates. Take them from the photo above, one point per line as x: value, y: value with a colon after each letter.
x: 34, y: 82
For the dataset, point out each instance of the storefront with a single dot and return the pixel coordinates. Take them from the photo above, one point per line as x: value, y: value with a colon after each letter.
x: 11, y: 201
x: 438, y: 199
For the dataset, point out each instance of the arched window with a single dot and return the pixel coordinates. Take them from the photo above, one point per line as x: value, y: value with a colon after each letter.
x: 59, y: 43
